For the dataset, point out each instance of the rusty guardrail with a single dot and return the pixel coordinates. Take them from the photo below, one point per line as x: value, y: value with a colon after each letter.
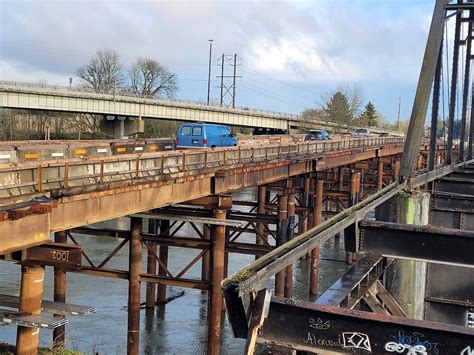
x: 40, y: 177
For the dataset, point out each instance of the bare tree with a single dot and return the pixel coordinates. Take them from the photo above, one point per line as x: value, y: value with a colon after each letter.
x: 150, y: 79
x: 311, y: 118
x: 103, y: 73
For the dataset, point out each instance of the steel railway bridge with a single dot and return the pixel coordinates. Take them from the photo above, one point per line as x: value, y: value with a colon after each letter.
x: 308, y: 192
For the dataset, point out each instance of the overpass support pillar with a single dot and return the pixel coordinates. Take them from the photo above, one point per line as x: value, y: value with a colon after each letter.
x: 315, y: 253
x: 31, y: 293
x: 59, y: 333
x: 122, y: 127
x: 135, y: 268
x: 215, y: 294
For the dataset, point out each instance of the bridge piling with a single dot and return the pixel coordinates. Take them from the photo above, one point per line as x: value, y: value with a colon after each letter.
x: 315, y: 252
x: 282, y: 228
x: 205, y: 265
x: 151, y: 264
x: 135, y: 266
x: 31, y: 293
x: 59, y: 333
x: 217, y: 275
x: 163, y: 255
x: 289, y: 236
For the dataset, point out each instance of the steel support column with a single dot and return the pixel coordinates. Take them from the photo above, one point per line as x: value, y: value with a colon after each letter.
x: 163, y: 255
x: 315, y: 252
x: 261, y: 200
x: 151, y: 264
x: 215, y: 295
x: 206, y: 259
x: 354, y: 190
x: 281, y: 239
x: 435, y: 111
x: 31, y: 293
x: 454, y: 83
x: 465, y: 92
x: 380, y: 176
x: 59, y: 335
x: 135, y: 268
x: 289, y: 236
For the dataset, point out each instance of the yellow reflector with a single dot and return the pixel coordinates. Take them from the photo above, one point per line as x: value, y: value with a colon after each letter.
x: 80, y: 151
x: 121, y: 150
x: 31, y: 156
x: 153, y: 147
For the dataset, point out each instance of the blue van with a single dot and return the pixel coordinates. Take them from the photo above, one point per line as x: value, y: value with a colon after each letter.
x: 203, y: 135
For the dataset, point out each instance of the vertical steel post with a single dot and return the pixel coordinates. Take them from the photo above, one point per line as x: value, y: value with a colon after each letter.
x: 151, y: 264
x: 315, y: 253
x: 289, y: 236
x: 354, y: 190
x: 380, y: 175
x: 206, y: 232
x: 471, y: 127
x: 217, y: 275
x: 31, y: 293
x: 134, y: 269
x: 261, y: 200
x: 282, y: 229
x: 423, y: 91
x: 396, y: 169
x: 435, y: 110
x: 59, y: 333
x: 454, y: 84
x: 163, y: 255
x: 340, y: 176
x: 465, y: 92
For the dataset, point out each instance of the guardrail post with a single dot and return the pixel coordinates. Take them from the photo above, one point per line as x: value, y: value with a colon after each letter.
x: 66, y: 176
x: 40, y: 178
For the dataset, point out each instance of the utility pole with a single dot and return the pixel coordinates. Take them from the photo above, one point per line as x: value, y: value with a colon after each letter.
x: 222, y: 79
x: 209, y: 75
x: 233, y: 82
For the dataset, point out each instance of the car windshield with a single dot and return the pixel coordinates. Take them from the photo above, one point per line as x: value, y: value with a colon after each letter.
x: 361, y: 130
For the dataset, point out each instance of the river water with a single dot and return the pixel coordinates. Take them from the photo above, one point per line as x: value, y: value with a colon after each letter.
x: 179, y: 327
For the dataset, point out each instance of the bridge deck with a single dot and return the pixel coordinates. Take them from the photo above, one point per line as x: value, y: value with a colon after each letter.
x: 77, y: 192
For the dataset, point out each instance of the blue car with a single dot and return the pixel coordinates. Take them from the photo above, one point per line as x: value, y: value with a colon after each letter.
x: 203, y: 135
x: 317, y: 135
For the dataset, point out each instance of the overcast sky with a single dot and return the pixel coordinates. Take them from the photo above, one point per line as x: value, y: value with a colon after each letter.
x: 292, y: 51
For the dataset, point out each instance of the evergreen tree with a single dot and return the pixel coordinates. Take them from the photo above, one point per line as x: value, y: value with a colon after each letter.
x: 369, y: 117
x: 338, y: 110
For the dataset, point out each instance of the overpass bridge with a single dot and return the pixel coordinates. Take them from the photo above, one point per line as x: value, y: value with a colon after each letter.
x: 123, y: 110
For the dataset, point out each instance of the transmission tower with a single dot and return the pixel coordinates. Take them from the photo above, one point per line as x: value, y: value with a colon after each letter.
x: 228, y: 81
